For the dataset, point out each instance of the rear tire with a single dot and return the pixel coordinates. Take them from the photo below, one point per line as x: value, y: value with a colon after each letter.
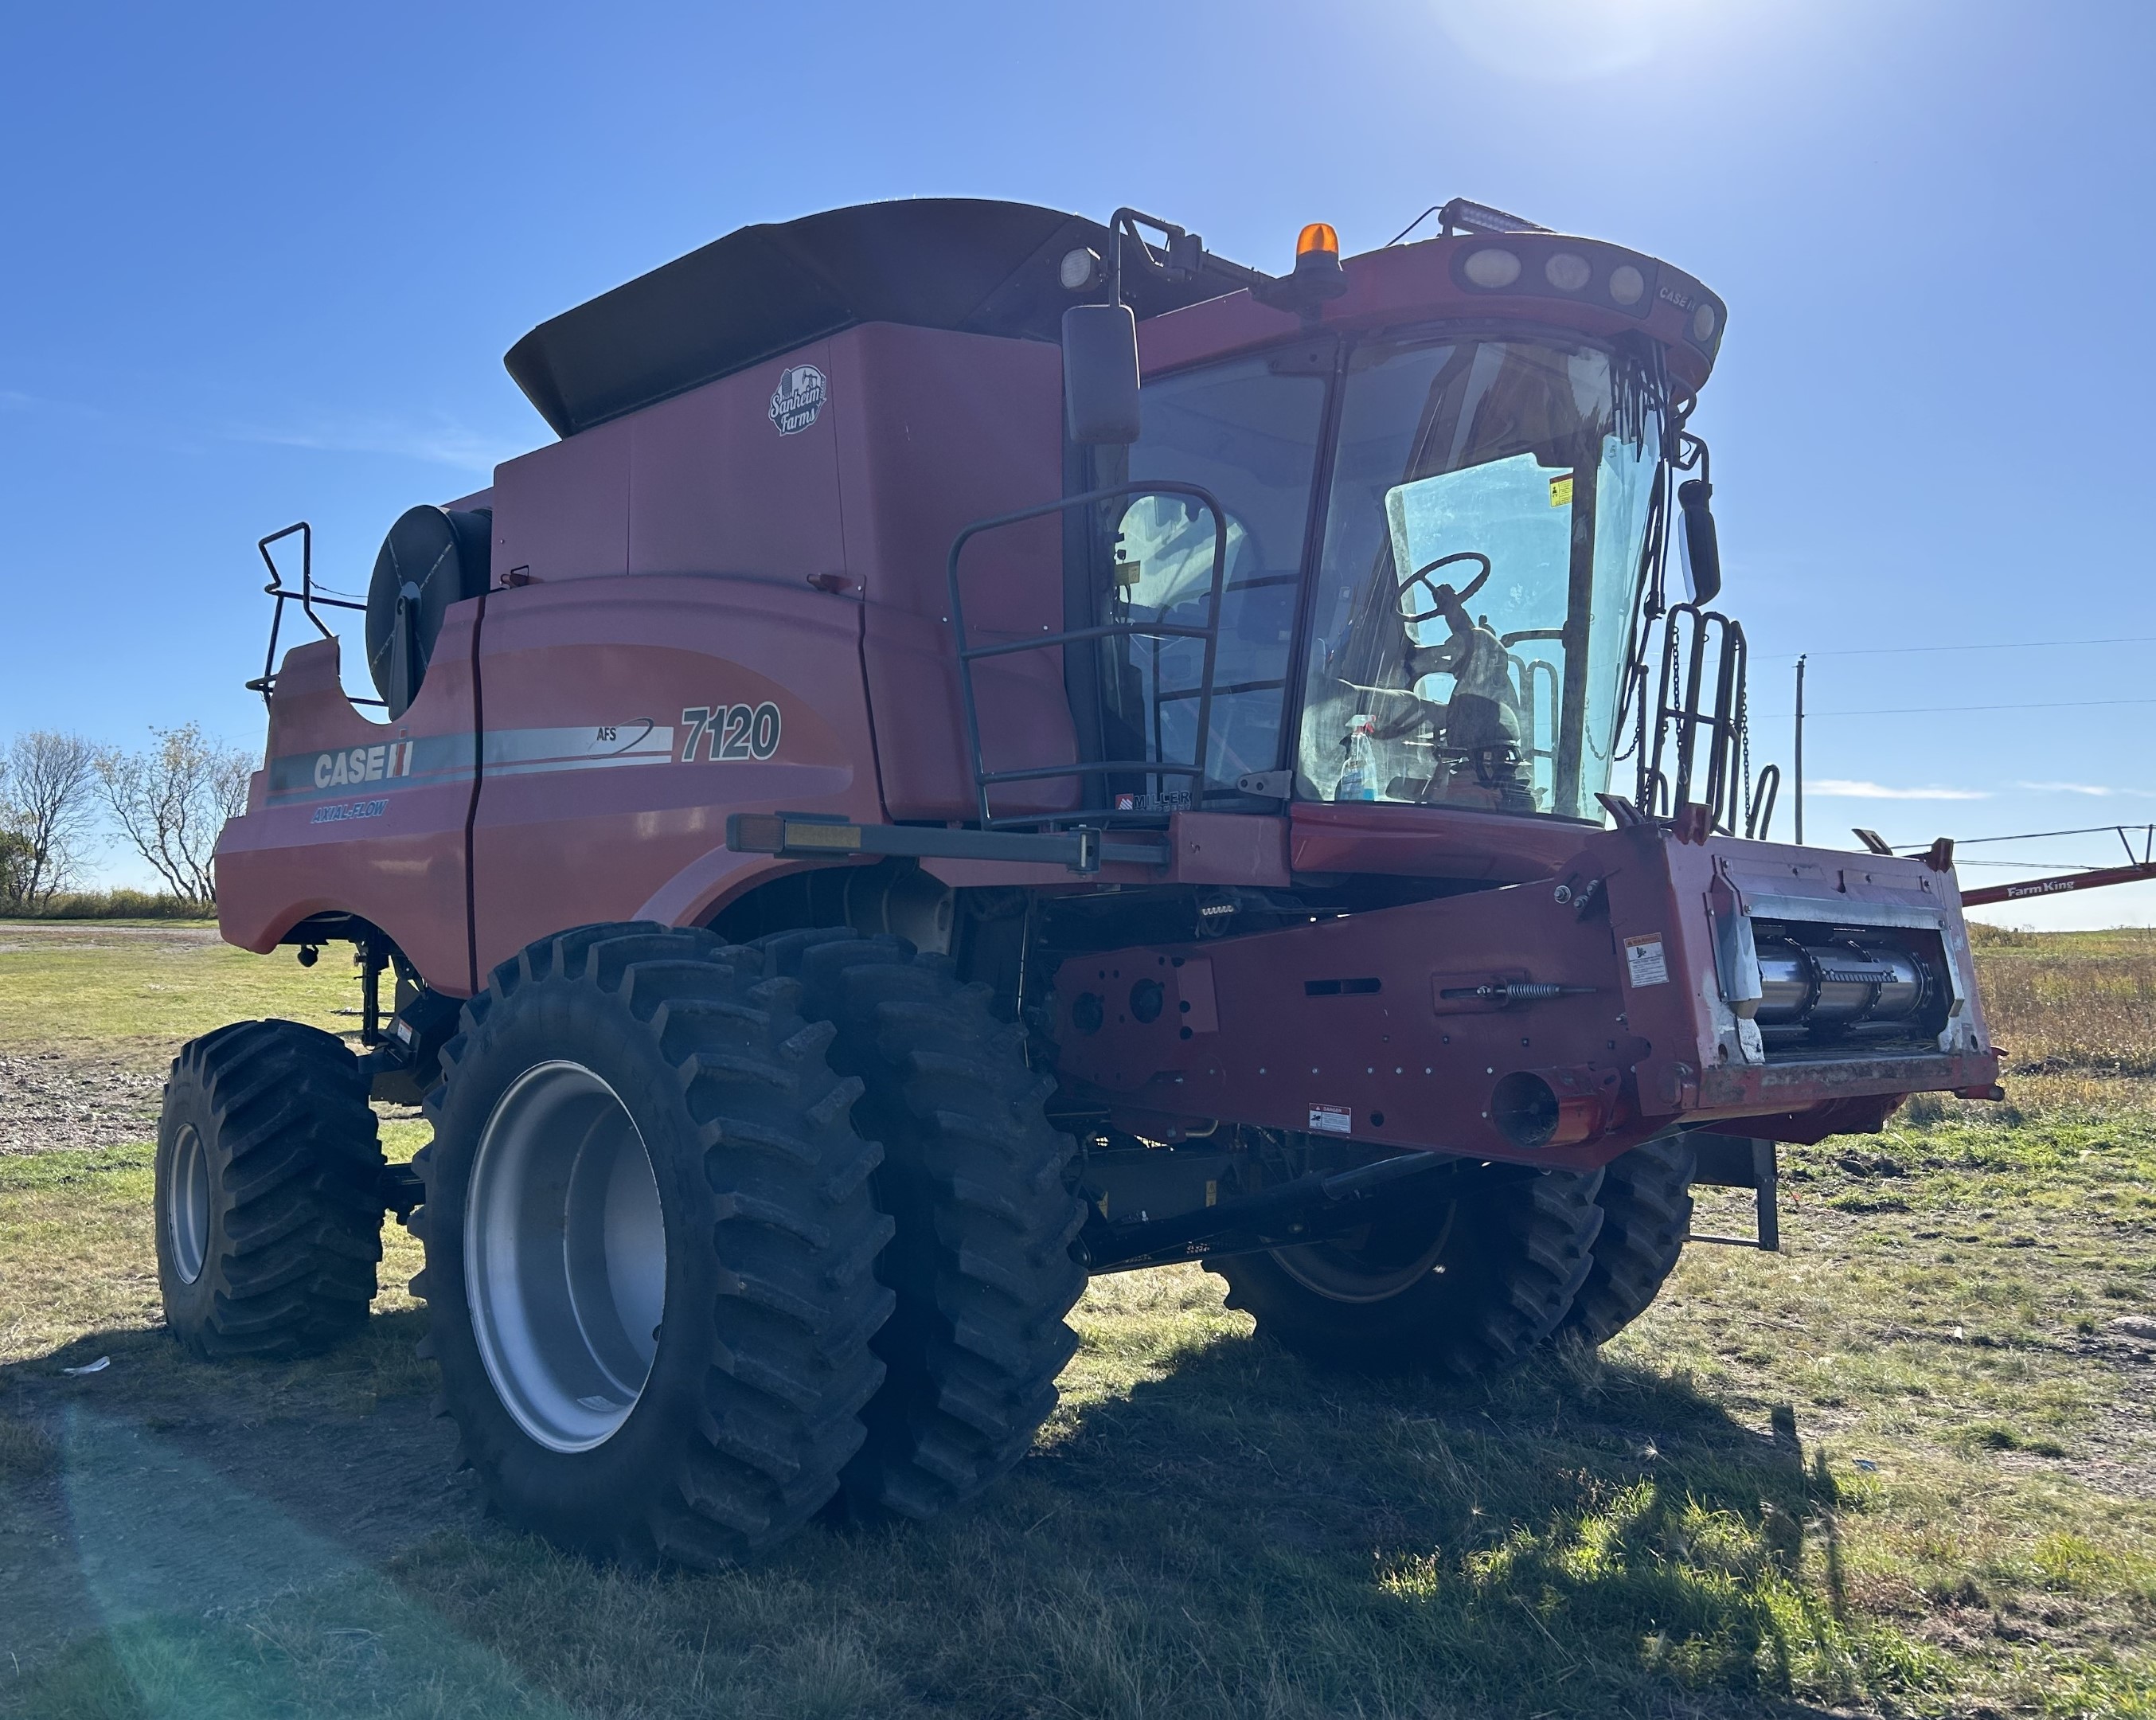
x: 650, y: 1246
x: 269, y: 1211
x: 1645, y: 1199
x: 975, y: 1175
x: 1464, y: 1290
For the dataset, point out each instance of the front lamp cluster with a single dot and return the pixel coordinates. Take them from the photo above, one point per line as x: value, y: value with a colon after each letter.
x: 1630, y: 287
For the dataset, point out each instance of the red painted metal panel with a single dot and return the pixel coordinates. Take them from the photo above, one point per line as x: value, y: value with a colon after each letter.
x: 1428, y: 841
x: 715, y: 487
x: 577, y: 821
x: 936, y: 431
x: 1228, y: 848
x: 562, y: 511
x: 399, y: 862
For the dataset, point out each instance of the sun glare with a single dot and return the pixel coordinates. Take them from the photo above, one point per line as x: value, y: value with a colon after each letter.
x: 1564, y: 41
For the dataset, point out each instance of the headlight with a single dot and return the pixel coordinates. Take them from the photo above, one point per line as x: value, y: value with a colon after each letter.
x: 1081, y: 271
x: 1491, y: 268
x: 1568, y: 271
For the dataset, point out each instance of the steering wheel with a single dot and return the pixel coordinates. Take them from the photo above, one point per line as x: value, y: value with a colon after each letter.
x: 1421, y: 577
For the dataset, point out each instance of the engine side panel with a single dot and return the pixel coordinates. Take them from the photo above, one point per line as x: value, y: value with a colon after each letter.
x: 625, y: 719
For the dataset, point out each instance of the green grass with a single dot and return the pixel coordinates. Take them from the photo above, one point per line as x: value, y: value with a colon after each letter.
x: 134, y: 994
x: 1908, y: 1468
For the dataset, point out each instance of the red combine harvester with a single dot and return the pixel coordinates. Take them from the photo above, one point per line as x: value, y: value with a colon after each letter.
x: 886, y: 816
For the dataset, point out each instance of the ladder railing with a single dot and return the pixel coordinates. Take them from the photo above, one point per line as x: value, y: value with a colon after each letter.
x: 305, y: 595
x: 1697, y: 745
x: 985, y: 781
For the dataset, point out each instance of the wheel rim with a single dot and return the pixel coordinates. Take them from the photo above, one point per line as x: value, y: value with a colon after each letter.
x: 1387, y: 1259
x: 565, y: 1256
x: 187, y: 1218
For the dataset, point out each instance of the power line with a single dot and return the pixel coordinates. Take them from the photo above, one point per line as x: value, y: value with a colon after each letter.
x: 2041, y: 835
x: 1942, y: 709
x: 2023, y: 644
x: 2028, y: 865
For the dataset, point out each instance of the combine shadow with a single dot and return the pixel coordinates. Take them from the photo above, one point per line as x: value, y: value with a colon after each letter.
x: 159, y: 1484
x: 1583, y: 1533
x: 1241, y: 1534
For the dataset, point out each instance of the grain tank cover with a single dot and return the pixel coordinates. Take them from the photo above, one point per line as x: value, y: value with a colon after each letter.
x: 963, y: 264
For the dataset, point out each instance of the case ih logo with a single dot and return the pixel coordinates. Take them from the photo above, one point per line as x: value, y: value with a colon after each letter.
x: 798, y: 397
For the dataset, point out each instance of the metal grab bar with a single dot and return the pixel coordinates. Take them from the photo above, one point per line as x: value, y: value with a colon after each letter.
x: 1759, y: 814
x: 1678, y: 714
x: 984, y: 779
x: 307, y: 597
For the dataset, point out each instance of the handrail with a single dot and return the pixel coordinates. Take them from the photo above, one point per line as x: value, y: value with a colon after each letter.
x: 984, y: 779
x: 1678, y: 714
x: 266, y: 683
x: 1759, y: 814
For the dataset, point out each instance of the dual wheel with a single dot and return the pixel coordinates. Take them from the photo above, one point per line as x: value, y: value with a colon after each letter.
x: 716, y: 1237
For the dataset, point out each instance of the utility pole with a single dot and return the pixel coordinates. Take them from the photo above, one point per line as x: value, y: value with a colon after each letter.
x: 1799, y: 771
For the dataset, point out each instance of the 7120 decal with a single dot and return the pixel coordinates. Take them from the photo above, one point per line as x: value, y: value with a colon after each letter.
x: 731, y: 731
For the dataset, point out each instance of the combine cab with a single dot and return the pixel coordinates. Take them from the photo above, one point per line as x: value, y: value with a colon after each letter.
x: 887, y: 815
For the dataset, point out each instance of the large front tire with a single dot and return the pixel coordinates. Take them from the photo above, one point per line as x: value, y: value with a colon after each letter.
x: 651, y: 1248
x: 1645, y: 1199
x: 975, y: 1175
x: 267, y: 1176
x: 1458, y: 1288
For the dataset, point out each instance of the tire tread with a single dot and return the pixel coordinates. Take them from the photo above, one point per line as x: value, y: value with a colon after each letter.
x: 286, y: 1111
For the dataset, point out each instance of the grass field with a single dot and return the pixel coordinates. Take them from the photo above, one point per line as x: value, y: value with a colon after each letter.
x: 1906, y: 1467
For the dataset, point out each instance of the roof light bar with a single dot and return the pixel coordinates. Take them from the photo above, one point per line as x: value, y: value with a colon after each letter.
x: 1464, y: 217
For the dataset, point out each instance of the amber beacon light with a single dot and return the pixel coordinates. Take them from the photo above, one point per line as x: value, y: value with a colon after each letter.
x: 1317, y: 272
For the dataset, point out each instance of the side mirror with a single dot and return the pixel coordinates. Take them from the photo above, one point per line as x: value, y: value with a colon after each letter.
x: 1100, y: 373
x: 1702, y: 552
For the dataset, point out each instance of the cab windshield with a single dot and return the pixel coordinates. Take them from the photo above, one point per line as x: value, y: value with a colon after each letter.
x: 1488, y: 505
x: 1475, y: 573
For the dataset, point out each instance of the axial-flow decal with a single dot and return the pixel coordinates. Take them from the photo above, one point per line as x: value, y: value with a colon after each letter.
x: 340, y: 812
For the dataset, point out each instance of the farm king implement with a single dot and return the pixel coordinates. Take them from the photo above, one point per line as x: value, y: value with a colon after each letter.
x: 994, y: 747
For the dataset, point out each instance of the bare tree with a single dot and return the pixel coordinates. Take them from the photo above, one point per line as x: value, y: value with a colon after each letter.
x: 14, y: 866
x: 172, y: 799
x: 46, y: 801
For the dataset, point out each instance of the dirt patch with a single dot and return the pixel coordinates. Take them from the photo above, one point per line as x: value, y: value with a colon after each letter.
x: 54, y: 1097
x: 2118, y: 1454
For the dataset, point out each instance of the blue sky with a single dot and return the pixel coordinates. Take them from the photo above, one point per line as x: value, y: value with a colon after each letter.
x: 261, y: 263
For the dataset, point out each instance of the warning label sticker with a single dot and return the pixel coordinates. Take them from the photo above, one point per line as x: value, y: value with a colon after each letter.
x: 1331, y: 1120
x: 1644, y: 964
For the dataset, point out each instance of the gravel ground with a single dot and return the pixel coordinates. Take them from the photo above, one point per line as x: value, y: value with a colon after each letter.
x: 56, y: 1096
x: 53, y: 1098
